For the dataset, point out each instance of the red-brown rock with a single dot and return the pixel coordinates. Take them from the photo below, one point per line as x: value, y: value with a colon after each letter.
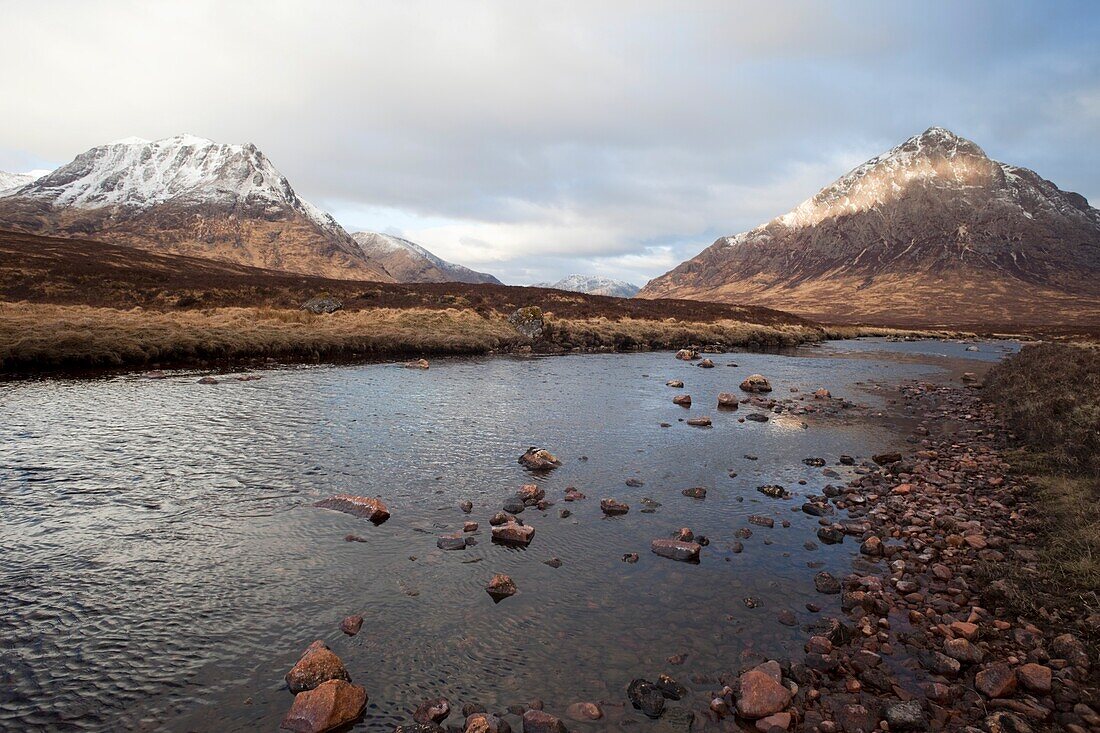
x: 351, y: 625
x: 1035, y: 678
x: 996, y: 680
x: 676, y: 550
x: 359, y: 506
x: 500, y: 587
x: 537, y: 721
x: 331, y: 705
x: 318, y: 664
x: 761, y: 695
x: 513, y: 533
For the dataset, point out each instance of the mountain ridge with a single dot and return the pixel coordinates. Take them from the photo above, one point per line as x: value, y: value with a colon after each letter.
x: 593, y: 285
x: 188, y: 195
x: 903, y: 236
x: 408, y: 261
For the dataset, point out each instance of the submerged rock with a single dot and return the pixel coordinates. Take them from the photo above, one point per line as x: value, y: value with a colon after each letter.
x: 677, y: 383
x: 706, y: 364
x: 331, y: 705
x: 761, y: 693
x: 612, y: 507
x: 727, y: 401
x: 371, y: 508
x: 451, y: 542
x: 538, y: 721
x: 432, y: 711
x: 684, y: 400
x: 699, y: 422
x: 318, y: 664
x: 646, y: 697
x: 775, y: 491
x: 697, y: 492
x: 418, y: 364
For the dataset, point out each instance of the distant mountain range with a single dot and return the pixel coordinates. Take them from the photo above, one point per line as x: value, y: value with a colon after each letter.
x: 189, y: 195
x: 932, y: 232
x: 408, y: 262
x: 593, y: 285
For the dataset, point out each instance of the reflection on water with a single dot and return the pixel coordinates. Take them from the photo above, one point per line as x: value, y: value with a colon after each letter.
x: 163, y: 567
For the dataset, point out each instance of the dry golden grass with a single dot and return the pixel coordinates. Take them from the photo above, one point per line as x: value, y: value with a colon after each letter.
x: 41, y: 335
x: 834, y: 331
x: 1049, y: 397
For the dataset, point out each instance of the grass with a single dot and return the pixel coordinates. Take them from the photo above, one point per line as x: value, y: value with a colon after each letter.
x: 36, y: 336
x: 1048, y: 395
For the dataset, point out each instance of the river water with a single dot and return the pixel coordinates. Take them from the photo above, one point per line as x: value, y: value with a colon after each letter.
x: 162, y: 565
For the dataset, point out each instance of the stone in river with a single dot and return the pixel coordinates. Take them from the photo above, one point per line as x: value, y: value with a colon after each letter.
x: 370, y: 508
x: 513, y: 533
x: 761, y: 695
x: 537, y: 721
x: 676, y: 550
x: 513, y: 506
x: 418, y: 364
x: 647, y: 697
x: 530, y: 494
x: 706, y: 364
x: 630, y: 557
x: 351, y: 625
x: 906, y: 716
x: 727, y: 401
x: 815, y: 462
x: 775, y: 491
x: 584, y: 711
x: 687, y: 354
x: 208, y: 380
x: 435, y: 711
x: 469, y: 526
x: 500, y: 587
x: 539, y: 459
x: 830, y: 535
x: 826, y: 583
x: 697, y: 492
x: 466, y: 507
x: 635, y: 482
x: 756, y: 383
x: 331, y: 705
x: 501, y: 518
x: 451, y: 542
x: 682, y: 399
x: 677, y: 383
x: 552, y: 562
x: 318, y: 664
x: 699, y: 422
x: 757, y: 417
x: 481, y: 722
x: 612, y: 508
x: 761, y: 521
x: 670, y: 688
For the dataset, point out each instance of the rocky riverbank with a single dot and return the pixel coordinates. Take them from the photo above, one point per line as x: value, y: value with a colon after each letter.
x: 927, y: 637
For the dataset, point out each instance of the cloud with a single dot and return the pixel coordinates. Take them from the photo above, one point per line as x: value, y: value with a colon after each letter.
x: 539, y: 139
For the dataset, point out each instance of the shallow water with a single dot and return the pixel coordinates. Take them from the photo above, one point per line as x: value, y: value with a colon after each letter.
x: 163, y: 566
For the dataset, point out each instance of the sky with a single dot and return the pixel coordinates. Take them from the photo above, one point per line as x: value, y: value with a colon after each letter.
x: 537, y: 139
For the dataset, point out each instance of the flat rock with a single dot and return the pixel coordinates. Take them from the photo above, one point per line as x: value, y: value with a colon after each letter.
x: 676, y: 549
x: 513, y: 533
x: 371, y: 508
x: 760, y: 695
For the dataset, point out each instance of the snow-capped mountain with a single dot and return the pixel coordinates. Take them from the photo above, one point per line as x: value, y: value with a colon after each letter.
x: 9, y: 182
x: 931, y: 232
x: 189, y: 195
x: 408, y: 262
x: 593, y: 285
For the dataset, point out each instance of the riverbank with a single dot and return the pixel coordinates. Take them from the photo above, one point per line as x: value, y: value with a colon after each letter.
x: 67, y: 303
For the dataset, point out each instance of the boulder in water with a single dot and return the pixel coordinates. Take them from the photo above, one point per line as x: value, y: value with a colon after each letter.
x: 329, y: 706
x: 318, y: 664
x: 756, y: 383
x: 371, y: 508
x: 539, y: 459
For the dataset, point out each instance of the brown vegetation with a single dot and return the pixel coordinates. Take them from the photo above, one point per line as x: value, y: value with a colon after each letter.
x: 74, y: 303
x: 1049, y: 397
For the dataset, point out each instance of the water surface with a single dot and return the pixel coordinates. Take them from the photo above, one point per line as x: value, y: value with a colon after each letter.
x: 163, y: 565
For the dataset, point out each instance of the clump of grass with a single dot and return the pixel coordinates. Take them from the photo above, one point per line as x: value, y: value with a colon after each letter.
x: 1048, y: 395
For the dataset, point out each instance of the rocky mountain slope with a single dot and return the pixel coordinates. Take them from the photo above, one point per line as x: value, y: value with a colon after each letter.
x: 190, y: 196
x: 930, y: 233
x: 593, y: 285
x: 408, y: 262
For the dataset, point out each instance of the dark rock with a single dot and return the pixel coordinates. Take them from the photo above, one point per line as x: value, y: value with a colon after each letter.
x: 906, y: 716
x: 322, y: 304
x: 697, y: 492
x: 612, y: 508
x: 435, y: 710
x: 647, y: 697
x: 883, y: 459
x: 775, y: 491
x: 826, y: 583
x: 676, y: 550
x: 538, y: 721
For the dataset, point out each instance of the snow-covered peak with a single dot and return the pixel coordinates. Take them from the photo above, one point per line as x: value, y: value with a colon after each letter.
x: 593, y: 285
x: 417, y: 261
x: 134, y: 175
x: 11, y: 182
x: 936, y: 155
